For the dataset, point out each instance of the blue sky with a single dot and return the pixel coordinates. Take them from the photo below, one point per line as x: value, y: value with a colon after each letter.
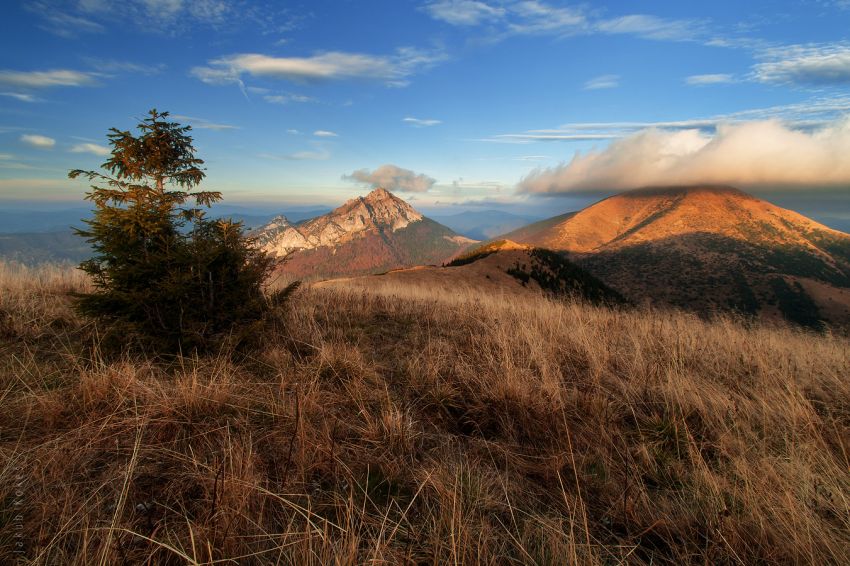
x: 465, y: 102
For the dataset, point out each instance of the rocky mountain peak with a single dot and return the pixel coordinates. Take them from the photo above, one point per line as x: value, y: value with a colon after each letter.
x: 279, y: 221
x: 380, y: 194
x: 378, y: 211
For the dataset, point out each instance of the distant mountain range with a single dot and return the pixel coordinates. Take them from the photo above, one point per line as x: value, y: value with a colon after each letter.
x: 484, y: 224
x: 34, y: 248
x: 34, y: 237
x: 707, y: 249
x: 368, y: 234
x: 704, y: 249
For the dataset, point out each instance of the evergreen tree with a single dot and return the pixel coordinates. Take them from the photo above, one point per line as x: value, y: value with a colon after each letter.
x: 161, y: 270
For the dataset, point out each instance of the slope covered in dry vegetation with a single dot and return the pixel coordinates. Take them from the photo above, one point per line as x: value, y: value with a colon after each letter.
x: 405, y: 427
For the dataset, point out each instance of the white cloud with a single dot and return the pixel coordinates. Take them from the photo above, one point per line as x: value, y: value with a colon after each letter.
x: 45, y: 79
x: 420, y: 122
x: 713, y: 79
x: 203, y: 124
x: 653, y: 27
x: 165, y: 9
x: 40, y: 142
x: 535, y: 17
x: 812, y: 113
x: 463, y: 12
x: 74, y: 18
x: 334, y: 65
x: 751, y: 154
x: 115, y: 66
x: 23, y: 97
x: 62, y: 23
x: 325, y: 134
x: 92, y: 148
x: 819, y: 64
x: 286, y: 98
x: 393, y: 178
x: 293, y: 131
x: 602, y: 81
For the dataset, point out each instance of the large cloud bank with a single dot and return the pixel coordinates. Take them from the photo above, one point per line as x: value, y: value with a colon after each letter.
x: 753, y: 154
x: 393, y: 178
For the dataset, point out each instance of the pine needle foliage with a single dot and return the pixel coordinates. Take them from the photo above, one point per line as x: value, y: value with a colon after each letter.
x: 165, y: 275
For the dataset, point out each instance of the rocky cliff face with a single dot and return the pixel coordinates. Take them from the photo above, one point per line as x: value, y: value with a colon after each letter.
x: 378, y: 211
x: 367, y: 234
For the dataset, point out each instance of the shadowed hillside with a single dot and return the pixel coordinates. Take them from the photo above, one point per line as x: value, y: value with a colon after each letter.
x: 495, y: 269
x: 410, y: 426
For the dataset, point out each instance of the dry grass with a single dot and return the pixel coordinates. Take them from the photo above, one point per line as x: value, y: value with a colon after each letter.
x: 407, y: 427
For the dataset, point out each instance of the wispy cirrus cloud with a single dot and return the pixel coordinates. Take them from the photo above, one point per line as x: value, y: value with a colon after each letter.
x: 421, y: 122
x: 47, y: 79
x: 88, y: 147
x: 74, y: 18
x: 393, y: 70
x: 653, y: 27
x: 114, y: 66
x: 463, y: 12
x: 602, y: 82
x: 812, y: 113
x: 38, y: 141
x: 393, y: 178
x: 812, y: 65
x: 204, y: 124
x: 325, y: 134
x: 9, y: 161
x: 535, y: 17
x: 21, y: 96
x: 287, y: 98
x: 710, y: 79
x: 755, y: 154
x: 530, y: 17
x: 521, y: 17
x: 64, y: 20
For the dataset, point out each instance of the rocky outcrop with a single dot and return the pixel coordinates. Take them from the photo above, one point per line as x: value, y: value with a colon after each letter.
x: 378, y: 211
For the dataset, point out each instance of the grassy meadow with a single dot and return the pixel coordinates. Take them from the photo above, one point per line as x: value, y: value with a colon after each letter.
x: 401, y: 426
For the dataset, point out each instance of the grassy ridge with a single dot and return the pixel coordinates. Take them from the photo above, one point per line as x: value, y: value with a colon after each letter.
x: 406, y: 427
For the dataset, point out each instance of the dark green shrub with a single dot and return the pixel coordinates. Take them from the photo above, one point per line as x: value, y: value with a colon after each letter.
x: 166, y: 277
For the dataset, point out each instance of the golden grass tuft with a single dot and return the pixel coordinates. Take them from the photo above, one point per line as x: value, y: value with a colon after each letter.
x: 404, y: 426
